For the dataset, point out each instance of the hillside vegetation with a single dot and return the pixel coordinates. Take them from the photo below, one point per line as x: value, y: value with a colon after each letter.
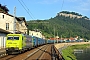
x: 68, y: 53
x: 65, y: 26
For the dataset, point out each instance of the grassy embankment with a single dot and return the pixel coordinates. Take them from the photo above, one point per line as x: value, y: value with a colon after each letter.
x: 68, y: 53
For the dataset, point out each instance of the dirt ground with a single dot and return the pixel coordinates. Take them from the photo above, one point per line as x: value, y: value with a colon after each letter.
x: 60, y: 45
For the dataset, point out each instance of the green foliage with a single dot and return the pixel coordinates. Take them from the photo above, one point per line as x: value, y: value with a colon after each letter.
x: 68, y: 53
x: 65, y: 26
x: 67, y: 12
x: 80, y: 46
x: 4, y: 8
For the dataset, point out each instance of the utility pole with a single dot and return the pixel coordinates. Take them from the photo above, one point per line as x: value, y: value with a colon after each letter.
x: 54, y: 35
x: 14, y: 22
x: 57, y: 37
x: 61, y: 37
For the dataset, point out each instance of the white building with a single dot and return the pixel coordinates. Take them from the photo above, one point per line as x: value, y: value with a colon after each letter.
x: 69, y: 15
x: 36, y: 33
x: 7, y: 26
x: 7, y: 23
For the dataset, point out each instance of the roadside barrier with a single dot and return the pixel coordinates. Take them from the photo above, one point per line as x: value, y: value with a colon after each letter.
x: 55, y: 54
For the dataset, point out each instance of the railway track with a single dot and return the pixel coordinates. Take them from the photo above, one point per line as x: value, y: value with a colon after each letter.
x: 7, y: 57
x: 40, y: 53
x: 35, y: 53
x: 45, y: 52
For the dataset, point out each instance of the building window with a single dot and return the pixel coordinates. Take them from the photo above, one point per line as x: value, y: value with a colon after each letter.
x: 25, y: 32
x: 32, y: 34
x: 37, y: 33
x: 3, y: 16
x: 7, y: 26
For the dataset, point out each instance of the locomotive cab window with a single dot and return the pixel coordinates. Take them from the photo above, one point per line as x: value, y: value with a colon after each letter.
x: 10, y: 38
x: 16, y: 37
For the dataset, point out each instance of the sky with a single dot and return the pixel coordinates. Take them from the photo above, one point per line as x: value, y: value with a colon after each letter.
x: 45, y: 9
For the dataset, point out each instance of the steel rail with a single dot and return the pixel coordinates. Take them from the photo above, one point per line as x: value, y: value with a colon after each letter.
x: 8, y: 57
x: 33, y: 53
x: 41, y: 53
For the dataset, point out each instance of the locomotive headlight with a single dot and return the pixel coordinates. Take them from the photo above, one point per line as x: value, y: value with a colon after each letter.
x: 16, y: 48
x: 6, y: 48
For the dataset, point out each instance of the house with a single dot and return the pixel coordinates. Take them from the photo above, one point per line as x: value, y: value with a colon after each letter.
x: 36, y: 33
x: 7, y: 26
x: 55, y: 40
x: 7, y: 23
x: 68, y: 15
x: 21, y: 25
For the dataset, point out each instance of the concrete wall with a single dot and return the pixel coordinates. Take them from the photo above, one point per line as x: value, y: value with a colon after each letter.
x: 2, y: 40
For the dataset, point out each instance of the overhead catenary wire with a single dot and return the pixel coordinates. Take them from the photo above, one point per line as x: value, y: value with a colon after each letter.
x: 28, y: 9
x: 25, y: 9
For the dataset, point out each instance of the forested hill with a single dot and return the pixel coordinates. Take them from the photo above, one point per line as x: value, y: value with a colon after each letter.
x: 66, y: 26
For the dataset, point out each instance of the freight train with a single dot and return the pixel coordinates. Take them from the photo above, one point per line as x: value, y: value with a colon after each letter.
x: 17, y: 43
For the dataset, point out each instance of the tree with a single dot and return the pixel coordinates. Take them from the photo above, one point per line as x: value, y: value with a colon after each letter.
x: 4, y: 8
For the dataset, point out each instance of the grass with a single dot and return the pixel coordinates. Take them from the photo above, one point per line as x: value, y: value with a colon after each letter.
x: 68, y: 53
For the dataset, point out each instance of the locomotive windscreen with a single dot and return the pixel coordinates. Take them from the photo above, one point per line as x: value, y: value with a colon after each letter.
x: 13, y: 38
